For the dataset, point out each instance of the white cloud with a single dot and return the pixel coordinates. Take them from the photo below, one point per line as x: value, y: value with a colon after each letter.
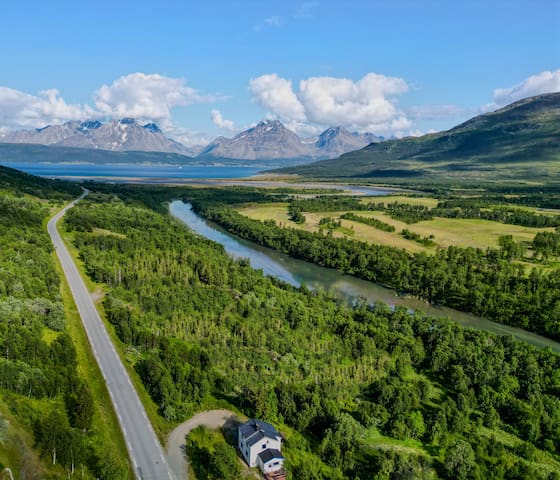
x: 365, y: 105
x: 147, y: 97
x: 220, y: 122
x: 544, y: 82
x: 276, y: 95
x: 22, y: 110
x: 368, y: 104
x: 186, y: 136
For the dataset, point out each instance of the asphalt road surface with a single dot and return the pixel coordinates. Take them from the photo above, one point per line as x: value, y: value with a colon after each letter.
x: 142, y: 443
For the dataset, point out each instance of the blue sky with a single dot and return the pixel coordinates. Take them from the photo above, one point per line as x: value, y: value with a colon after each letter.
x: 398, y: 67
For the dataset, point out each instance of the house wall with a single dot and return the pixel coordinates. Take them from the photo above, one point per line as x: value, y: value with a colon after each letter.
x: 269, y: 466
x: 244, y: 450
x: 258, y: 448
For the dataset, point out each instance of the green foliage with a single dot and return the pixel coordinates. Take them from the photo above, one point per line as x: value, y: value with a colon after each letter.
x: 329, y: 223
x: 295, y: 214
x: 211, y: 457
x: 486, y: 209
x: 547, y: 245
x: 20, y: 183
x: 208, y: 327
x: 459, y: 461
x: 426, y: 241
x: 80, y: 407
x: 328, y: 203
x: 372, y: 222
x: 510, y: 249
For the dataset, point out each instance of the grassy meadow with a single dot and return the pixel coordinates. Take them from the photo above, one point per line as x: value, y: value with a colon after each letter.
x: 461, y: 232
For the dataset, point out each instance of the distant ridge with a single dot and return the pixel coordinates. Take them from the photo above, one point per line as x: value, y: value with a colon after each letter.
x: 271, y: 140
x: 118, y: 136
x: 268, y: 141
x: 518, y: 142
x: 11, y: 153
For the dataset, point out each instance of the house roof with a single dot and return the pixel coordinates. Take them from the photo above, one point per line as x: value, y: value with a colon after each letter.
x: 270, y: 454
x: 255, y: 430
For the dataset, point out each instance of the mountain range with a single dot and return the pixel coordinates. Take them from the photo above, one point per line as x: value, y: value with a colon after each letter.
x: 268, y: 140
x: 117, y: 136
x: 518, y: 142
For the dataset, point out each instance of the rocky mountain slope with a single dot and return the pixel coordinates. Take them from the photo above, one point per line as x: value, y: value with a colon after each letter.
x: 267, y: 141
x: 271, y: 140
x: 118, y: 136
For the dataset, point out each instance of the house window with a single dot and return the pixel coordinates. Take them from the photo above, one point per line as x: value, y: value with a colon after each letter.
x: 263, y: 446
x: 275, y: 463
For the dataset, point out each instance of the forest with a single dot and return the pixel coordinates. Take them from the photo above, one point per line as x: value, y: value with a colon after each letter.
x: 43, y: 395
x: 358, y: 392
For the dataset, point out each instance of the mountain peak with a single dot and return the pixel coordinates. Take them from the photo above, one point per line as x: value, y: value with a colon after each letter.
x: 269, y: 124
x: 89, y: 125
x: 152, y: 127
x: 125, y: 134
x: 127, y: 121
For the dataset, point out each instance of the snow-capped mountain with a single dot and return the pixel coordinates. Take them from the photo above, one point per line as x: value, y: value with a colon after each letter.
x: 118, y: 135
x: 268, y: 140
x: 271, y: 140
x: 336, y: 141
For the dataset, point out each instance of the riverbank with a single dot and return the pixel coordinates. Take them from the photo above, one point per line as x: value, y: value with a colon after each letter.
x: 298, y: 272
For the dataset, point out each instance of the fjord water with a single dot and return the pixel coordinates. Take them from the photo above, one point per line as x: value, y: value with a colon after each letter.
x: 298, y: 272
x: 132, y: 171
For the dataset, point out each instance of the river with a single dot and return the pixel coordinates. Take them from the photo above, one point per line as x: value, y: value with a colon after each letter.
x: 298, y: 272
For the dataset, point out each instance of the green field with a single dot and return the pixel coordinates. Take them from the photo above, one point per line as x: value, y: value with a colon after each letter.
x: 424, y: 201
x: 446, y: 231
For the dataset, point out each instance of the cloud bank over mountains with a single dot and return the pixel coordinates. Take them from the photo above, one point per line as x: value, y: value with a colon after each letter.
x: 368, y: 104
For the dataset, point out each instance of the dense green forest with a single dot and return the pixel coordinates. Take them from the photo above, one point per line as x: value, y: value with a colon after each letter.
x: 362, y: 392
x: 47, y: 408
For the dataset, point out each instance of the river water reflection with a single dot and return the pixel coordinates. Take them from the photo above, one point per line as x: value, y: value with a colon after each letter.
x: 298, y: 272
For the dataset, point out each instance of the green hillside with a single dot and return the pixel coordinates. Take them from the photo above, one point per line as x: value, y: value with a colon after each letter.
x: 520, y: 142
x: 24, y: 152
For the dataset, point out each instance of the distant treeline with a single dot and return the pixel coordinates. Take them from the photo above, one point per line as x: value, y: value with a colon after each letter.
x: 455, y: 208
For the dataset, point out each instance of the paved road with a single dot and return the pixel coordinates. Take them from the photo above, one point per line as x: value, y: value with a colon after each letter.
x: 142, y: 443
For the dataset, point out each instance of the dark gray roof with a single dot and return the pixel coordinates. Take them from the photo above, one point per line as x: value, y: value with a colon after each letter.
x: 255, y: 430
x: 269, y: 454
x: 256, y: 437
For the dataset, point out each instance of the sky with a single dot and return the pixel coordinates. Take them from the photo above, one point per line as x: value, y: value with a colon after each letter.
x: 206, y: 68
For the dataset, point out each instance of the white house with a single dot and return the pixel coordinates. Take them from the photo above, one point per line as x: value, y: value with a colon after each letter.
x: 270, y: 460
x: 260, y: 443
